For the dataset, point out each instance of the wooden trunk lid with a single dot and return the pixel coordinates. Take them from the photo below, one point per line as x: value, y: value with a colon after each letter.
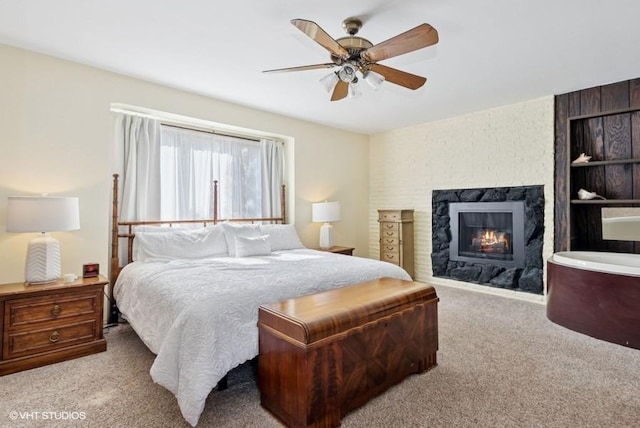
x: 312, y: 318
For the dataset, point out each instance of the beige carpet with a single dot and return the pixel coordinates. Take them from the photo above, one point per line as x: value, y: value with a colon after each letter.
x: 501, y: 364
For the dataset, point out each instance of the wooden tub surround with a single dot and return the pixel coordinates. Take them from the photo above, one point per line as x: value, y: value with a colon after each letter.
x: 325, y: 354
x: 599, y: 304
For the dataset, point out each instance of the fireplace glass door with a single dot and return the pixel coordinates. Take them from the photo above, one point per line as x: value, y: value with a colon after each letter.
x: 486, y: 235
x: 487, y: 232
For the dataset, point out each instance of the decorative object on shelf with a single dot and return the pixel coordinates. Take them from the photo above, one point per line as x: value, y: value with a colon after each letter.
x: 586, y: 195
x: 325, y: 212
x: 42, y: 214
x: 583, y: 158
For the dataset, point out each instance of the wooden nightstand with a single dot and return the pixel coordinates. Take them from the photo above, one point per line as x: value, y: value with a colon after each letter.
x: 340, y: 250
x: 49, y: 323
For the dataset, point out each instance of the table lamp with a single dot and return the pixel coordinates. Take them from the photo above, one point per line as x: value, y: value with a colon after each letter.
x: 42, y: 214
x: 325, y: 212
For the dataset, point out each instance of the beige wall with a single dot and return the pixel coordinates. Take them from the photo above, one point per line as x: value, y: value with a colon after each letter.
x: 506, y: 146
x: 56, y: 137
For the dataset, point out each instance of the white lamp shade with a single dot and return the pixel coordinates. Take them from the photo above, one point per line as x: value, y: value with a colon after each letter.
x: 42, y: 214
x: 323, y: 212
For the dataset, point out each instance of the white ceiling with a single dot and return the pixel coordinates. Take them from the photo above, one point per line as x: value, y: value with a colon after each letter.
x: 491, y: 53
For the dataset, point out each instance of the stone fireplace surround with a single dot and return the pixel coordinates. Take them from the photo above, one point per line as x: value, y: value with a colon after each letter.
x: 527, y: 279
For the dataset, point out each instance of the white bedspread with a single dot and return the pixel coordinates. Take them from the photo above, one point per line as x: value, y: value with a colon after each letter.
x: 200, y: 316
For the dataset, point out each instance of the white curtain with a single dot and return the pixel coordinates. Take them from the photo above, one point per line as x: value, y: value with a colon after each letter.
x: 138, y: 138
x: 272, y: 177
x: 168, y: 173
x: 249, y: 174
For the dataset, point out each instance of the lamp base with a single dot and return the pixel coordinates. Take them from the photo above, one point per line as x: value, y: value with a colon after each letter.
x: 43, y: 260
x: 326, y: 236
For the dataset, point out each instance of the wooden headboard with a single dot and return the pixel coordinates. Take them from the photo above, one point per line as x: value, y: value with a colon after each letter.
x: 117, y: 234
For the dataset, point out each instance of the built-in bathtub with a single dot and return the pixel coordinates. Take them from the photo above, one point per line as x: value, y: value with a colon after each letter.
x: 596, y: 293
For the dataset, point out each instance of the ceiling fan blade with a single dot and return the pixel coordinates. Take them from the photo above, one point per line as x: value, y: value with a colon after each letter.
x: 302, y: 68
x: 399, y: 77
x: 417, y: 38
x: 321, y: 37
x: 340, y: 91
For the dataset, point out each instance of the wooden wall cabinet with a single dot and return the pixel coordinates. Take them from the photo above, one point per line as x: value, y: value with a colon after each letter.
x: 396, y: 238
x: 604, y: 123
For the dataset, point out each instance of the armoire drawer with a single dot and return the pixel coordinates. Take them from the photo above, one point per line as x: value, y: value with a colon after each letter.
x: 389, y: 240
x: 390, y: 216
x: 389, y: 227
x: 391, y: 257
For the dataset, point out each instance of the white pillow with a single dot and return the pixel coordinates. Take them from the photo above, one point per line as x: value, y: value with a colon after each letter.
x: 231, y: 230
x: 151, y: 229
x: 252, y: 246
x: 282, y: 236
x: 182, y: 244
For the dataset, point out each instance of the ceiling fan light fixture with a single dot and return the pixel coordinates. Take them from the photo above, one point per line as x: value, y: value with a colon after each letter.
x: 373, y: 79
x: 347, y: 73
x: 329, y: 81
x: 354, y: 90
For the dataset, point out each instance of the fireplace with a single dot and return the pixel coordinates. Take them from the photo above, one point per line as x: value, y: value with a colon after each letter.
x: 489, y: 236
x: 487, y: 232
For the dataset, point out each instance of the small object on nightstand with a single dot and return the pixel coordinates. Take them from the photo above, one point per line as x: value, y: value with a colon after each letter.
x: 340, y: 250
x: 90, y: 270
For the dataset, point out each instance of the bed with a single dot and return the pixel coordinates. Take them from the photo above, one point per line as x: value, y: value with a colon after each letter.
x: 192, y: 296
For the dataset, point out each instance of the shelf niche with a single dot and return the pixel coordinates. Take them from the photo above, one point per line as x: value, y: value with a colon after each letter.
x: 604, y: 123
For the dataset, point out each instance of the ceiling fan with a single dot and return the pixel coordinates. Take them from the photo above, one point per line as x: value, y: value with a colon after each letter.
x: 354, y: 56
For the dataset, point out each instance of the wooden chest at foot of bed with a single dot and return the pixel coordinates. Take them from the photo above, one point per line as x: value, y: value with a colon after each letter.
x: 325, y: 354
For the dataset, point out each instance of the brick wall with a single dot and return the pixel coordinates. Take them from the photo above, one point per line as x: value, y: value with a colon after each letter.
x: 507, y: 146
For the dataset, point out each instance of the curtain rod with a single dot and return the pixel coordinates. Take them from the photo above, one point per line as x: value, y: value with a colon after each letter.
x: 168, y: 122
x: 209, y: 131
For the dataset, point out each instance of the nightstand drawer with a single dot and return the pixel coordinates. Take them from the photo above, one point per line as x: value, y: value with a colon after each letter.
x: 42, y: 340
x: 30, y: 311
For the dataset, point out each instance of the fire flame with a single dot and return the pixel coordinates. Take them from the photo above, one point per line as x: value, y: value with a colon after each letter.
x: 490, y: 239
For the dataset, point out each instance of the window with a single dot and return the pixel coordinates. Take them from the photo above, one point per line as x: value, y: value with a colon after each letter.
x: 169, y: 173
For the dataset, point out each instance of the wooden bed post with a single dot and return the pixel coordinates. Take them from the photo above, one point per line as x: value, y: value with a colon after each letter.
x: 283, y: 204
x: 114, y: 266
x: 215, y: 201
